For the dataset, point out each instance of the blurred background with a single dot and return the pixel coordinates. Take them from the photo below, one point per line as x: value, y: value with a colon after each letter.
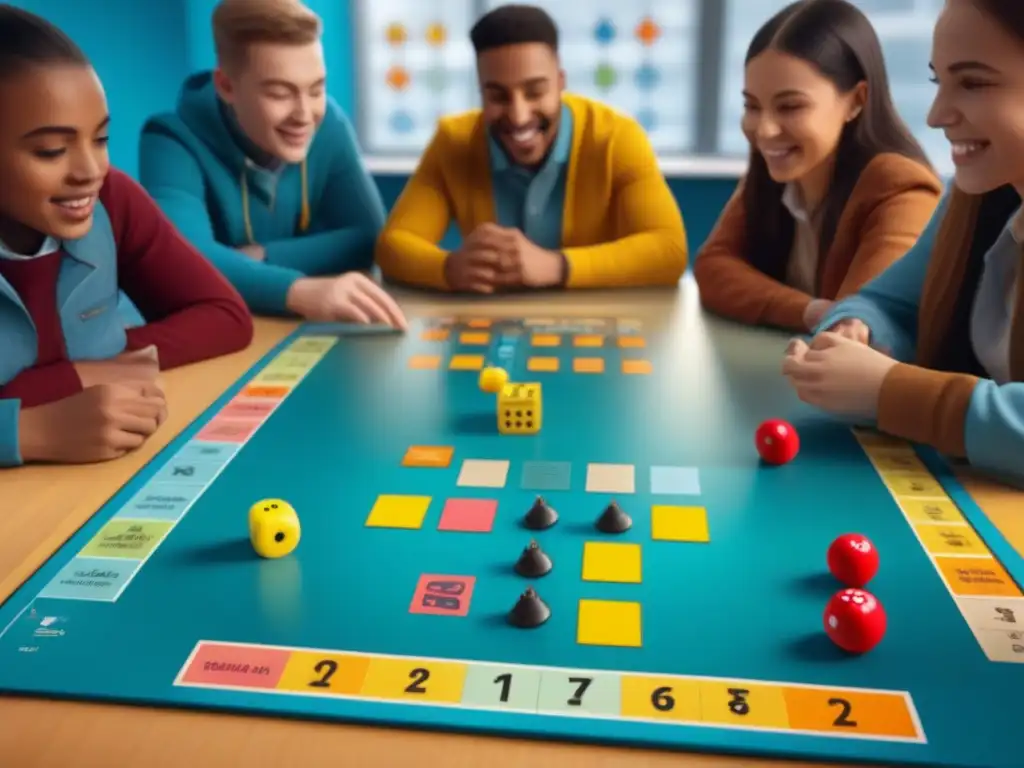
x: 395, y: 66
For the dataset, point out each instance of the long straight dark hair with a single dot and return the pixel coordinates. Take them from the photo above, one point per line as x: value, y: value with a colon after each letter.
x: 837, y: 39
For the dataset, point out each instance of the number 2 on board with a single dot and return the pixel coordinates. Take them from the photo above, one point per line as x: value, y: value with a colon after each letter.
x: 419, y: 677
x: 845, y: 709
x: 324, y: 671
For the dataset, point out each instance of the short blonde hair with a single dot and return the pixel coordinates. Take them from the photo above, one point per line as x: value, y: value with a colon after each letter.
x: 238, y: 24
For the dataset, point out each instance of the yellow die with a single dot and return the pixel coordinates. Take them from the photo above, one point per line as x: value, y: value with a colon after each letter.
x: 519, y: 409
x: 273, y: 528
x: 492, y: 379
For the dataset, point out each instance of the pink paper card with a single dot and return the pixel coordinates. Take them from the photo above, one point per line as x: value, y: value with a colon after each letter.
x: 236, y: 666
x: 468, y: 515
x: 443, y: 595
x: 222, y: 430
x: 248, y: 408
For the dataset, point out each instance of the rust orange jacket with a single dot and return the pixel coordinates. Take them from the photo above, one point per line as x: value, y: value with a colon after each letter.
x: 890, y: 206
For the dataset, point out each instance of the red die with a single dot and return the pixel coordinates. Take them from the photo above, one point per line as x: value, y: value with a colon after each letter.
x: 853, y: 559
x: 777, y: 442
x: 855, y: 620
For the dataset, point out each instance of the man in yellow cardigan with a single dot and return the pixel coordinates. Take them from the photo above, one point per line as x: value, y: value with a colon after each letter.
x: 548, y: 189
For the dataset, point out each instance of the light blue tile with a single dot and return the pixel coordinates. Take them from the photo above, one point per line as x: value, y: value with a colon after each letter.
x: 91, y: 578
x: 675, y: 481
x: 185, y: 469
x: 547, y: 476
x: 161, y: 501
x: 209, y: 453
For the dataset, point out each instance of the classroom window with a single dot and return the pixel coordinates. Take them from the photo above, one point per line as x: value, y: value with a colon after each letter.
x: 652, y: 59
x: 905, y: 30
x: 415, y: 64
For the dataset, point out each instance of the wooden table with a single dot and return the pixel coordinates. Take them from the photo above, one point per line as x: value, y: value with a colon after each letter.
x: 44, y: 506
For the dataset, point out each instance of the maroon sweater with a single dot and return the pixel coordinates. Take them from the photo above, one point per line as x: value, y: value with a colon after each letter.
x: 192, y: 313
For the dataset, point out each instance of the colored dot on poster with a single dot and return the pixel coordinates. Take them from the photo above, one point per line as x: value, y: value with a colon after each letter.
x: 398, y: 78
x: 401, y: 122
x: 647, y: 77
x: 396, y: 34
x: 648, y: 119
x: 604, y: 32
x: 605, y: 76
x: 437, y: 34
x: 647, y: 31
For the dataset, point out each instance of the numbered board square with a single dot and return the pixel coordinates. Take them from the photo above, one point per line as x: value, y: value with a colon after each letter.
x: 414, y: 680
x: 591, y: 693
x: 497, y: 687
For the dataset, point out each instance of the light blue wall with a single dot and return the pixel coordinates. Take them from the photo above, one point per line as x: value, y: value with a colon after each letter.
x: 338, y: 43
x: 136, y: 47
x: 143, y: 50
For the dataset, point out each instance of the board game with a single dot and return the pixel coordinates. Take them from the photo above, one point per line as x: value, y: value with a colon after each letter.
x: 696, y: 624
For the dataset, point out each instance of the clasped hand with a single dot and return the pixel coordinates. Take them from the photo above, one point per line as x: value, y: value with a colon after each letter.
x: 838, y: 371
x: 120, y: 406
x: 492, y: 258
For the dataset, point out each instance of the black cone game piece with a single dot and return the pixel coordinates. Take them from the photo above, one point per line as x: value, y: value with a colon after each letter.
x: 533, y: 562
x: 614, y: 520
x: 540, y: 516
x: 530, y: 611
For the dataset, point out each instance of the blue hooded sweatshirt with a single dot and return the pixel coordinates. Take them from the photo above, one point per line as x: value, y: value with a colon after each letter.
x: 317, y: 218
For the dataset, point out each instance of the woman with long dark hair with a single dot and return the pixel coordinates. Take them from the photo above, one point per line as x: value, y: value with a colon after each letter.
x: 933, y: 350
x: 837, y: 188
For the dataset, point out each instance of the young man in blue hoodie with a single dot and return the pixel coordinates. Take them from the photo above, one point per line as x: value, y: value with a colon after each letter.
x: 260, y: 169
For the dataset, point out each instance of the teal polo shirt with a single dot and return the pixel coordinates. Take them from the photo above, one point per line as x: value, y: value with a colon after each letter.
x: 532, y: 200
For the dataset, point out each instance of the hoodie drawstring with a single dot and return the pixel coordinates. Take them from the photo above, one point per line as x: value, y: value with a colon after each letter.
x: 303, y: 218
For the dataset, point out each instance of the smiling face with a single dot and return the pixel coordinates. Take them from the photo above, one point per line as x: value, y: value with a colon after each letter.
x: 53, y: 154
x: 794, y: 116
x: 279, y: 97
x: 979, y: 105
x: 522, y: 98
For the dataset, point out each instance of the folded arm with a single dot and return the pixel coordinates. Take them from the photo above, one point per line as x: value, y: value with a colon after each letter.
x: 732, y: 287
x: 191, y: 311
x: 348, y: 216
x: 407, y: 249
x: 34, y: 386
x: 171, y: 175
x: 652, y: 249
x: 43, y: 384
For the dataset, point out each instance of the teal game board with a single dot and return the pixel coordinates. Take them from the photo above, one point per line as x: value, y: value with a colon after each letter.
x: 698, y: 628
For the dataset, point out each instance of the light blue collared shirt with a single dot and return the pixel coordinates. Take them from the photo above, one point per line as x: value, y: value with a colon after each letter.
x: 49, y: 246
x: 532, y: 201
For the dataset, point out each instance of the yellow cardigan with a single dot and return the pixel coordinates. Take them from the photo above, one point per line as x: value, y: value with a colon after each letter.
x: 621, y: 226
